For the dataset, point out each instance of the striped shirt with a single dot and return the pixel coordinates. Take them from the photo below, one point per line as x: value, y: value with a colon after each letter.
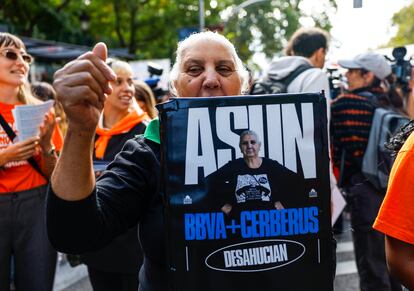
x: 350, y: 126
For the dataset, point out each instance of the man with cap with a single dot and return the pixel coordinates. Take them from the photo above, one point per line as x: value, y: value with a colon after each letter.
x: 352, y: 114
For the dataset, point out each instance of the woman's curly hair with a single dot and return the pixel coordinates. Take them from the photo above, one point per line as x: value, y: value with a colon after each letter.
x: 397, y: 141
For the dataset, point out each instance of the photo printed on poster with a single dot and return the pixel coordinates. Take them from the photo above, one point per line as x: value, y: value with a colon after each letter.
x: 247, y: 195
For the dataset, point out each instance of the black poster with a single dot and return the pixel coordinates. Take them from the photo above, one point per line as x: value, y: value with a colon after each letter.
x: 247, y: 195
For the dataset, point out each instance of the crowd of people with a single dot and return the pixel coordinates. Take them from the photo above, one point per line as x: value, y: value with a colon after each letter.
x: 103, y: 116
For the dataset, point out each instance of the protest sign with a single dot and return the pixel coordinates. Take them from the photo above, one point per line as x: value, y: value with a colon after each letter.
x: 234, y: 226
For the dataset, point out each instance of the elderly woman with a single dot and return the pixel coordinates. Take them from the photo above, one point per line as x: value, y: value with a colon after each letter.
x: 85, y: 215
x: 250, y: 147
x: 253, y: 181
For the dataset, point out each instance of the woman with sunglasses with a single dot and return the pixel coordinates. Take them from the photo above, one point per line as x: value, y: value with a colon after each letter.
x: 22, y: 186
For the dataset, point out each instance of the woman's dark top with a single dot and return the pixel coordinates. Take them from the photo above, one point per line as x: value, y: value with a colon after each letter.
x: 245, y: 188
x: 123, y: 254
x: 127, y: 193
x: 351, y: 121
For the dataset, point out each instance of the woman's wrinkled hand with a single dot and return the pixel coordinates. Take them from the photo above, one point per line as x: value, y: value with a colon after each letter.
x: 82, y: 86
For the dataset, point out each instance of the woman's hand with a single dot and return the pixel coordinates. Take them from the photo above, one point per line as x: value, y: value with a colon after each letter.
x: 226, y: 209
x: 19, y: 151
x: 81, y: 87
x: 46, y: 131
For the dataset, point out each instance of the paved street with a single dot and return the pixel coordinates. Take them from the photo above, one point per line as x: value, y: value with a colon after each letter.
x: 346, y: 272
x: 81, y: 285
x: 71, y: 279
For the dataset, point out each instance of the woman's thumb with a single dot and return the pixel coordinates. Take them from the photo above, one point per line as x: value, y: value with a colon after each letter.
x: 100, y: 50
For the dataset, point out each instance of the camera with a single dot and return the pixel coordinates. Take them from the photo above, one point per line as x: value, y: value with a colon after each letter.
x: 336, y: 82
x: 401, y: 67
x: 155, y: 71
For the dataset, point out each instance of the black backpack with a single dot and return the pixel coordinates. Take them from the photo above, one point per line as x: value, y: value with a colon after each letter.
x: 267, y: 85
x: 377, y: 160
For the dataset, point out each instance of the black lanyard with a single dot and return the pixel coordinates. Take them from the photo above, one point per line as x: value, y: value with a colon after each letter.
x: 12, y: 136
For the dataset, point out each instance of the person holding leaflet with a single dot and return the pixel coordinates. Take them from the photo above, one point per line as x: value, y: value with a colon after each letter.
x: 25, y: 167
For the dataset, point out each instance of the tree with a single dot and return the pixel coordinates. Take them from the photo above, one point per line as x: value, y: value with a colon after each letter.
x: 149, y: 28
x: 266, y: 26
x: 51, y: 19
x: 404, y: 21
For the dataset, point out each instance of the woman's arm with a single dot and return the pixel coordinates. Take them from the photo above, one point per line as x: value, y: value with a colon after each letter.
x: 123, y: 194
x: 81, y: 87
x: 49, y: 156
x: 400, y: 260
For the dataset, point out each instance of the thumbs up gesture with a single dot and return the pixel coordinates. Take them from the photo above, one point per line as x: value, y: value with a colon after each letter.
x: 82, y: 86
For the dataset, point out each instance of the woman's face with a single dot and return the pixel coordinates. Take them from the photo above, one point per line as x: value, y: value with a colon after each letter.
x: 249, y: 146
x: 122, y: 92
x: 13, y: 72
x: 208, y: 69
x: 356, y: 79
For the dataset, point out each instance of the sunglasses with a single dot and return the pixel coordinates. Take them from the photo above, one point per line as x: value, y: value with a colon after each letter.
x: 13, y: 55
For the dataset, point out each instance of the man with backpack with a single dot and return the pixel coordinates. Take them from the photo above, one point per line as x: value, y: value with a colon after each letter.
x: 351, y: 123
x: 301, y: 70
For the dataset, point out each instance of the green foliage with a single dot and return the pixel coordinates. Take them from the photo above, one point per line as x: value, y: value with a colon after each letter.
x: 266, y: 26
x: 149, y: 28
x: 52, y: 19
x: 405, y: 22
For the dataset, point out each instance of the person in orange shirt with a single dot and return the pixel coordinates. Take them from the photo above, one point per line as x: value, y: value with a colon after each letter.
x: 396, y: 216
x: 25, y: 167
